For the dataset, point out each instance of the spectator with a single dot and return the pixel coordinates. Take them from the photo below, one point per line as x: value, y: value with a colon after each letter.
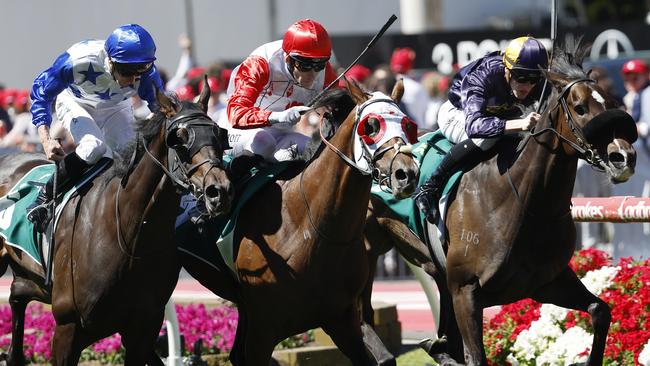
x: 635, y: 80
x: 415, y: 98
x: 23, y: 135
x: 436, y: 86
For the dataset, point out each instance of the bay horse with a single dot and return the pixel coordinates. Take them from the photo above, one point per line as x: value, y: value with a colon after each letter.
x: 509, y: 233
x: 115, y: 262
x: 300, y: 262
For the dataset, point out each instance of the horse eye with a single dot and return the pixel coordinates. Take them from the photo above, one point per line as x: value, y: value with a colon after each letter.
x: 183, y: 135
x: 372, y: 127
x: 580, y: 109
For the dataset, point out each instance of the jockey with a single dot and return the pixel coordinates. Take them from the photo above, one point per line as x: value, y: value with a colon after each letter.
x: 269, y: 89
x: 92, y: 83
x: 486, y: 101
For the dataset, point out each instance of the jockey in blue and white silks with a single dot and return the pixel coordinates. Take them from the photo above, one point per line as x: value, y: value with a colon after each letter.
x: 486, y: 100
x: 91, y: 85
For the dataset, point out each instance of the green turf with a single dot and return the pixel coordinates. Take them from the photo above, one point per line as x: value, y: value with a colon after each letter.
x: 416, y: 357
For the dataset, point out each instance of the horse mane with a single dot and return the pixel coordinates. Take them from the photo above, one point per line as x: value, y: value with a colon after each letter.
x: 339, y: 104
x: 567, y: 60
x: 145, y: 129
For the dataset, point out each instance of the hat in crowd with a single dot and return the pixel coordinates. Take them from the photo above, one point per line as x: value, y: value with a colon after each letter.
x: 634, y: 66
x: 224, y: 78
x: 401, y: 62
x: 213, y: 82
x: 359, y: 73
x: 21, y: 98
x: 185, y: 92
x: 195, y: 72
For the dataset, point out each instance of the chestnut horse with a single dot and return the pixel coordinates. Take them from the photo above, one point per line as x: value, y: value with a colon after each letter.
x: 115, y: 261
x: 300, y: 260
x: 509, y: 234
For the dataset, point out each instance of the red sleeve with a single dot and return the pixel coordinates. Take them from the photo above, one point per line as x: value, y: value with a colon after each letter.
x: 330, y: 75
x: 252, y: 76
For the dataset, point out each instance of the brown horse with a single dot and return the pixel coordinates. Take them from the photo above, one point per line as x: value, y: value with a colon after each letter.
x: 509, y: 234
x: 115, y: 262
x: 300, y: 260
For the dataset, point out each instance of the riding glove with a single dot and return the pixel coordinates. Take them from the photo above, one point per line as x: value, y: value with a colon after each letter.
x: 288, y: 117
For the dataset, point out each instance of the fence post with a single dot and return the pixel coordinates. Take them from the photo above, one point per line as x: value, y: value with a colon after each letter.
x: 175, y: 358
x: 431, y: 291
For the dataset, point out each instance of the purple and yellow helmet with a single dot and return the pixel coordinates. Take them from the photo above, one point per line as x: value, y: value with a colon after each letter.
x: 525, y: 53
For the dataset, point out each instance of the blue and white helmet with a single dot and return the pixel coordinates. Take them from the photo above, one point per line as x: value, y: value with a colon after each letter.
x: 130, y: 44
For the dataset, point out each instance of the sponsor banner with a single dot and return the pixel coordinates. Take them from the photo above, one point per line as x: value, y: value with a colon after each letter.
x: 611, y: 209
x: 442, y: 50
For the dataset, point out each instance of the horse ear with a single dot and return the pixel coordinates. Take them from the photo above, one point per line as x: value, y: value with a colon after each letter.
x: 558, y: 80
x: 204, y: 97
x: 167, y: 105
x: 355, y: 91
x: 398, y: 91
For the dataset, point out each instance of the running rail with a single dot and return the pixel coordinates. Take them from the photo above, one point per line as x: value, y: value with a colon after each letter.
x: 618, y: 209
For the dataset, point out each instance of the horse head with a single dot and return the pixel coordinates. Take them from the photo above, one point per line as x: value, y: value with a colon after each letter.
x: 384, y: 137
x: 589, y: 123
x: 196, y: 146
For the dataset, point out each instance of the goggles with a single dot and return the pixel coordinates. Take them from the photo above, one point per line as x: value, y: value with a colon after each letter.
x: 135, y: 69
x: 525, y: 76
x: 308, y: 64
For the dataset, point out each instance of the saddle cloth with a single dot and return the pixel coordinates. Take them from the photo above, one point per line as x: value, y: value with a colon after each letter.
x: 429, y: 152
x: 212, y: 242
x: 19, y: 232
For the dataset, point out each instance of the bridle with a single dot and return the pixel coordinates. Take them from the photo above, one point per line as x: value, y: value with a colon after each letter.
x: 584, y: 149
x: 202, y: 131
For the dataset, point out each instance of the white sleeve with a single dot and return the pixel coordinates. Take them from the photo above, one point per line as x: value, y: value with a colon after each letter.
x: 184, y: 65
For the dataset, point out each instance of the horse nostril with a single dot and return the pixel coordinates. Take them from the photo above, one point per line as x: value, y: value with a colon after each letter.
x: 212, y: 192
x: 617, y: 159
x: 400, y: 175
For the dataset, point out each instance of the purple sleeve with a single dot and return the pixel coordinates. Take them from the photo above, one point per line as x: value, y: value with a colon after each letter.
x: 476, y: 89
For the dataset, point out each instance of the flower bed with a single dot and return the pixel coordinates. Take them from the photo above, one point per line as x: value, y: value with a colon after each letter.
x: 214, y: 326
x: 529, y: 333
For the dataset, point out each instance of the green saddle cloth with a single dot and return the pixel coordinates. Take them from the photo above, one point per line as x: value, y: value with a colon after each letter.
x: 214, y: 244
x: 15, y: 228
x: 429, y: 152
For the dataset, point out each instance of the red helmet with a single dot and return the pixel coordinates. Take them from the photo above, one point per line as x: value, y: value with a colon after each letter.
x: 307, y: 38
x: 634, y: 66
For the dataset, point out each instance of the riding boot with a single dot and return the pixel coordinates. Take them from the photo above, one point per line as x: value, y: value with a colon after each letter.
x: 69, y: 170
x: 428, y: 194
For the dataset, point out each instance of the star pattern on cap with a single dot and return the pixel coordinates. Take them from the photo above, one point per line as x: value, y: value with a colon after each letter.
x: 91, y: 75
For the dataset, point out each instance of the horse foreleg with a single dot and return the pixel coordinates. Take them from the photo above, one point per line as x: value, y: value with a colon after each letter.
x: 67, y: 345
x: 18, y: 306
x: 139, y: 339
x: 469, y: 316
x: 345, y: 330
x: 568, y: 291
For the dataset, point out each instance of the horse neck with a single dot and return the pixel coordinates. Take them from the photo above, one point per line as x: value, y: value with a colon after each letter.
x: 144, y: 193
x: 337, y: 194
x: 545, y: 173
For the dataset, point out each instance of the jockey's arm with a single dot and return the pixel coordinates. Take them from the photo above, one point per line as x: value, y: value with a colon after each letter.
x: 147, y: 92
x: 47, y: 86
x: 474, y: 99
x: 249, y: 81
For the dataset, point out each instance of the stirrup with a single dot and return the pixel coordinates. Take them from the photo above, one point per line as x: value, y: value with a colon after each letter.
x: 39, y: 215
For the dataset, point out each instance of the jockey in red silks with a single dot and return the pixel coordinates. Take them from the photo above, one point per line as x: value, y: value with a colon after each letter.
x: 269, y: 89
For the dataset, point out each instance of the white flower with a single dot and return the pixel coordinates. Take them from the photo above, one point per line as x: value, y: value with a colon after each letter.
x: 598, y: 280
x: 644, y: 357
x: 567, y: 348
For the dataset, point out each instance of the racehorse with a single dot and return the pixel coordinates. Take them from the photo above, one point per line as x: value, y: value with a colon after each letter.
x: 509, y: 233
x: 115, y: 262
x: 300, y: 260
